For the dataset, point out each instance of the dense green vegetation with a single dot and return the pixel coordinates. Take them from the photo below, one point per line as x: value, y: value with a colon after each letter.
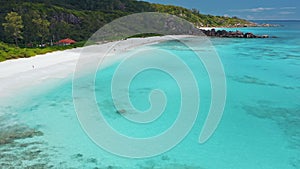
x: 145, y: 35
x: 13, y: 52
x: 200, y: 20
x: 33, y: 22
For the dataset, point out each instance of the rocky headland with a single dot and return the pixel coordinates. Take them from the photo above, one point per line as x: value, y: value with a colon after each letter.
x: 232, y: 34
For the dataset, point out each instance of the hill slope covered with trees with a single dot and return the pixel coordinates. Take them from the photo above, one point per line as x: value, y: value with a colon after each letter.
x: 51, y: 20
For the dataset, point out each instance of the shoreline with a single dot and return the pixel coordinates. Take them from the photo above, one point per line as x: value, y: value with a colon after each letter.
x: 239, y: 27
x: 21, y: 75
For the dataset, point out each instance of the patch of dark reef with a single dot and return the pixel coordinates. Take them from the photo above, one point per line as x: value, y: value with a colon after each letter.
x: 256, y: 81
x: 17, y: 132
x: 20, y: 146
x: 15, y: 153
x: 287, y: 118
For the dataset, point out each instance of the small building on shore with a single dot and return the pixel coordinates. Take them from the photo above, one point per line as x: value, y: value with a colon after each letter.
x: 67, y: 41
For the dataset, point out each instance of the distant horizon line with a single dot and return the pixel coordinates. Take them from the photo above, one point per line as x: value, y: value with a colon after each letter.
x: 273, y: 19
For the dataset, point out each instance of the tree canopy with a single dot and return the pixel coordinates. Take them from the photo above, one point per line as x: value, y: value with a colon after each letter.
x: 40, y: 21
x: 13, y: 26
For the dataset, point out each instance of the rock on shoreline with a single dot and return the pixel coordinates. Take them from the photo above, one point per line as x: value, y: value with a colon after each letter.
x: 231, y: 34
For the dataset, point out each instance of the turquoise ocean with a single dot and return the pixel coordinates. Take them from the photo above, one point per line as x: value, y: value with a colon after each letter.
x: 259, y: 128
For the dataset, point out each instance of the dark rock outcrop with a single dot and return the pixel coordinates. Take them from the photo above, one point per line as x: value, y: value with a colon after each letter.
x: 231, y: 34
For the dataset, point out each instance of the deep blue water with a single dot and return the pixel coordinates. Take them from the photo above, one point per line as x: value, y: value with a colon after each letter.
x: 259, y: 128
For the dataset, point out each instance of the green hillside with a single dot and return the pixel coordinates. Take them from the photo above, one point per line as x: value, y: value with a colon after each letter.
x: 51, y: 20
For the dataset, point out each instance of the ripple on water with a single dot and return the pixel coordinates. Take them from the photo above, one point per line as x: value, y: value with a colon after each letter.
x: 256, y: 81
x: 153, y: 165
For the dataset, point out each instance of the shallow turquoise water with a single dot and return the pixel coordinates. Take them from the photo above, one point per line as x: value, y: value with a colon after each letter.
x: 259, y: 129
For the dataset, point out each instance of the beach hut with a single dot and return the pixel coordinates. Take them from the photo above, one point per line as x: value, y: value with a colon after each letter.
x: 67, y: 41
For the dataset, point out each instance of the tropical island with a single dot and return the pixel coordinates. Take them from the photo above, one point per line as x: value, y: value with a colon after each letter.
x: 245, y: 91
x: 32, y: 27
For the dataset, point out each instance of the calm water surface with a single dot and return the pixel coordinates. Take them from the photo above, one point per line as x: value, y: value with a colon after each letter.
x: 259, y: 129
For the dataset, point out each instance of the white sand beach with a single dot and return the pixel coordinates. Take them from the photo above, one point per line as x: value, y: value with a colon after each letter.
x: 209, y: 28
x: 18, y: 74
